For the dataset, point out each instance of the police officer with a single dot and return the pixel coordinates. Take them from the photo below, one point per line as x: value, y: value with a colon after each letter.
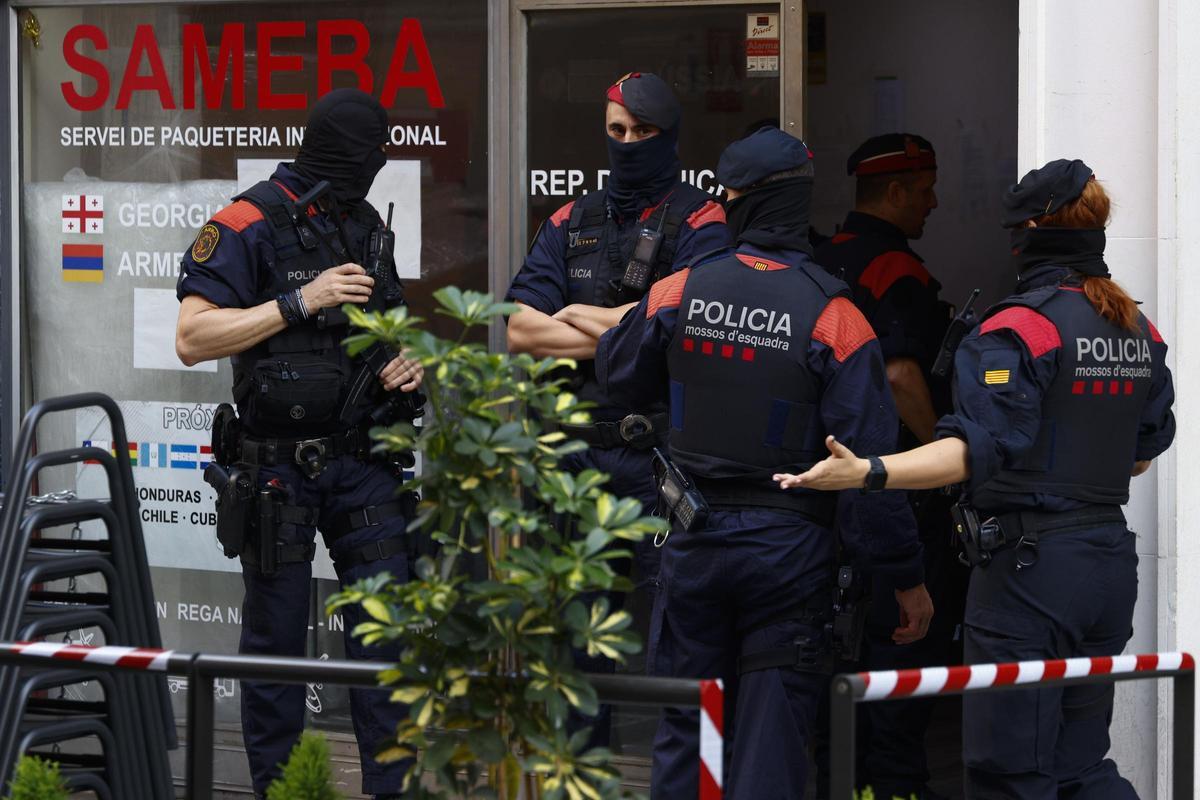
x: 1048, y: 429
x: 758, y: 353
x: 264, y: 283
x: 895, y: 176
x: 593, y: 260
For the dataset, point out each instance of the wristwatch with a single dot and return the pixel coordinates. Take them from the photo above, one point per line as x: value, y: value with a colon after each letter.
x: 876, y: 478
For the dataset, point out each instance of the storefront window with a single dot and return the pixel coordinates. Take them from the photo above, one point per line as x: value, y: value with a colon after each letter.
x: 139, y: 122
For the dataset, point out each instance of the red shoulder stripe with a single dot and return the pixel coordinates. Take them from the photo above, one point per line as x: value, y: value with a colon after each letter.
x: 1038, y: 333
x: 760, y: 264
x: 1154, y: 334
x: 667, y: 293
x: 560, y: 216
x: 842, y: 327
x: 842, y: 238
x: 890, y: 267
x: 238, y: 216
x: 707, y: 213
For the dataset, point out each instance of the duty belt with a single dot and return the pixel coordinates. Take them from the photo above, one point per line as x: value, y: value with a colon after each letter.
x: 638, y: 431
x: 736, y: 493
x: 1014, y: 526
x: 1024, y: 529
x: 307, y: 453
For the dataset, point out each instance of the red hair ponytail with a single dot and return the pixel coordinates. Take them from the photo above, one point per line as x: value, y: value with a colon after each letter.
x: 1091, y: 210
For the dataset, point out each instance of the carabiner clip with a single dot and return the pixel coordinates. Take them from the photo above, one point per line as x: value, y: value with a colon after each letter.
x: 1032, y: 557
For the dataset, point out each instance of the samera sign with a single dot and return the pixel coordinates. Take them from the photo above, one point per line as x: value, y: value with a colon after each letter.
x: 230, y: 66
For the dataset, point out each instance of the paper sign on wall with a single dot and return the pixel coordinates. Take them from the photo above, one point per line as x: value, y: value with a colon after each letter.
x: 762, y: 45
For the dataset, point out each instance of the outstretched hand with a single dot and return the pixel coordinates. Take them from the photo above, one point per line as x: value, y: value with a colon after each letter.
x: 842, y: 470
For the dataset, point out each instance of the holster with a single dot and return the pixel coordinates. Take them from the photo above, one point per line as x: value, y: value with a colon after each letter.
x: 235, y: 505
x: 851, y: 604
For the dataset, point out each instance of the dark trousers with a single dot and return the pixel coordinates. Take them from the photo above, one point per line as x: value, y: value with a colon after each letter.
x: 1077, y: 600
x: 891, y: 750
x: 727, y: 591
x: 630, y: 475
x: 275, y: 615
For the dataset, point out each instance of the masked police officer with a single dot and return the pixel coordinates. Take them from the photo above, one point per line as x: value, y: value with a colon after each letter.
x: 894, y: 194
x: 264, y: 283
x: 1062, y: 394
x: 593, y: 260
x: 758, y: 354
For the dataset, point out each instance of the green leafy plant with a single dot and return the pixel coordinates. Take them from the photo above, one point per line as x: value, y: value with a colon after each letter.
x: 37, y: 779
x: 307, y: 774
x: 486, y: 665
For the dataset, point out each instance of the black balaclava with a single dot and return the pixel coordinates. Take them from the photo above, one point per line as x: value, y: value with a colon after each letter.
x: 341, y: 143
x: 641, y: 173
x: 774, y: 216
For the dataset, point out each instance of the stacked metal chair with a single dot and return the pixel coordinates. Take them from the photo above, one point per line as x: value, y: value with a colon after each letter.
x: 112, y: 742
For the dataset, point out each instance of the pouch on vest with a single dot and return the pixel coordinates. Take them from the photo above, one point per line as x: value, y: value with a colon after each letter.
x: 301, y: 387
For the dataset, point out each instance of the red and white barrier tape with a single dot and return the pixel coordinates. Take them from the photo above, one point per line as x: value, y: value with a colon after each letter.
x: 712, y: 746
x: 939, y: 680
x: 133, y: 657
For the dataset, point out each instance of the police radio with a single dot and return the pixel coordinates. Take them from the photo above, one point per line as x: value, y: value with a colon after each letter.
x: 679, y: 499
x: 962, y: 322
x: 645, y: 256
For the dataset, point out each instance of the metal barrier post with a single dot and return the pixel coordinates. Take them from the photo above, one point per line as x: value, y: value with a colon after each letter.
x: 201, y: 718
x: 842, y: 713
x: 1184, y: 737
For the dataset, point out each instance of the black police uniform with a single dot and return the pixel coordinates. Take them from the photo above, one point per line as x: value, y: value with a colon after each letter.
x: 891, y: 286
x: 1056, y: 404
x: 304, y: 407
x: 758, y: 354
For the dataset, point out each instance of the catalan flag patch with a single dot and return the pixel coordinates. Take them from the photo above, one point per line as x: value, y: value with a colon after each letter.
x: 995, y: 377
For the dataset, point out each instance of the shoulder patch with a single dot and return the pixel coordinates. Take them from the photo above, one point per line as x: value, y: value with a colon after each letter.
x: 667, y: 293
x: 890, y: 267
x: 1037, y: 332
x: 760, y: 264
x: 707, y: 214
x: 1154, y: 334
x: 843, y: 328
x: 561, y: 216
x: 238, y: 216
x: 206, y: 243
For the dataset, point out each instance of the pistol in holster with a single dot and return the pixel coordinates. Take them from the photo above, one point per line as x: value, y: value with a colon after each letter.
x: 976, y: 539
x: 851, y: 604
x: 678, y: 499
x: 233, y: 482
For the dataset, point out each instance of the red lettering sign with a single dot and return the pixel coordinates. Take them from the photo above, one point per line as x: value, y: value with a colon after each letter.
x: 231, y: 65
x: 342, y: 45
x: 85, y: 66
x: 132, y: 81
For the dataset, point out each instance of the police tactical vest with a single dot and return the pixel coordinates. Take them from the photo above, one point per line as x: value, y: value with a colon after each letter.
x: 1091, y: 411
x: 743, y: 401
x: 597, y: 250
x: 296, y: 382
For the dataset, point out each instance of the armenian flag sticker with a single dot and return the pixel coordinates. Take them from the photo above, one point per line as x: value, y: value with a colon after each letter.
x: 83, y: 263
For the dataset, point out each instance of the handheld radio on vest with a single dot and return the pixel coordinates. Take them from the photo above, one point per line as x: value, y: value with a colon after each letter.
x: 645, y: 255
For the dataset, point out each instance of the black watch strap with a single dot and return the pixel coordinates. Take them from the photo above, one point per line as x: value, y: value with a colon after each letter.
x: 877, y: 475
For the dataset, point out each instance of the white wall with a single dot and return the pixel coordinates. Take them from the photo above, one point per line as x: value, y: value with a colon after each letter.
x: 1114, y: 82
x: 955, y: 62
